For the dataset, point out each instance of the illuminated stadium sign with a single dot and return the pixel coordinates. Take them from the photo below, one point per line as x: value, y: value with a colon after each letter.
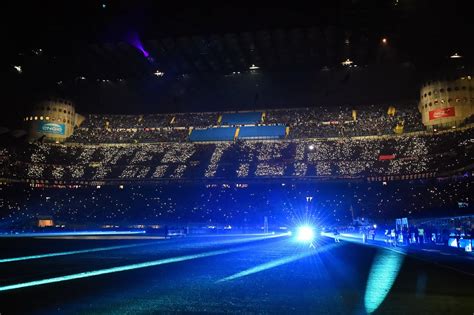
x: 442, y: 113
x: 52, y: 128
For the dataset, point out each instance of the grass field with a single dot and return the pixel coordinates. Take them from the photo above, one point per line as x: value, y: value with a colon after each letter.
x: 222, y: 274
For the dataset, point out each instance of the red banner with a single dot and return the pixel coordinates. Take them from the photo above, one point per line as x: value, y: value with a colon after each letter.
x: 386, y: 157
x: 442, y: 112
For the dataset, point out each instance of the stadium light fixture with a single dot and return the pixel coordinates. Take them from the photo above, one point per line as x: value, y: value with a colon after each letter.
x: 158, y: 73
x: 347, y: 62
x: 455, y: 56
x: 305, y: 234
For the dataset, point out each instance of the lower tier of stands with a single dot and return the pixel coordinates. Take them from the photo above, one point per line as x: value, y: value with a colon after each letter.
x: 281, y: 202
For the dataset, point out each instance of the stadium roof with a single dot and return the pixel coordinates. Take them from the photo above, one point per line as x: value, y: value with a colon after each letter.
x: 116, y: 39
x: 54, y: 44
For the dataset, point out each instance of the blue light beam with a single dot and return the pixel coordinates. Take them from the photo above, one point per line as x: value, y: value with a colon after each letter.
x: 99, y: 272
x: 77, y: 233
x: 382, y: 275
x: 276, y: 263
x: 74, y: 252
x: 99, y: 249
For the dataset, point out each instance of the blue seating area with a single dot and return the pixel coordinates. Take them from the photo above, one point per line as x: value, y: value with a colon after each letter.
x: 213, y: 134
x: 241, y: 118
x: 262, y: 132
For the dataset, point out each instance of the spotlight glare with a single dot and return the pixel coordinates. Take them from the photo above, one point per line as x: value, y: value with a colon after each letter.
x: 305, y: 233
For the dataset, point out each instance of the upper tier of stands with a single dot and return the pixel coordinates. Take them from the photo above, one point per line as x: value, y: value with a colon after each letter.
x: 245, y: 118
x: 262, y: 132
x: 213, y: 134
x: 315, y: 122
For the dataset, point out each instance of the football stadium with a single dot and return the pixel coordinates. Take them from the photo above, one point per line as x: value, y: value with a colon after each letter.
x: 238, y: 160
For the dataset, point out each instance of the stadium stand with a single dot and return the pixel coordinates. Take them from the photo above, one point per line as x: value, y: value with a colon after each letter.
x: 315, y: 122
x: 245, y: 118
x: 262, y: 132
x: 213, y: 134
x: 396, y: 157
x: 200, y: 171
x: 230, y: 203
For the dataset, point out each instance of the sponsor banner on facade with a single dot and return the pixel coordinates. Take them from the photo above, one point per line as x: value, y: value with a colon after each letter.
x: 442, y: 112
x: 52, y: 128
x: 385, y: 157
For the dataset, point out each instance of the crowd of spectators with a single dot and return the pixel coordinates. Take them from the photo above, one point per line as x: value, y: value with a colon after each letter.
x: 97, y: 135
x: 102, y: 175
x: 283, y: 202
x: 334, y: 158
x: 345, y: 122
x: 95, y: 121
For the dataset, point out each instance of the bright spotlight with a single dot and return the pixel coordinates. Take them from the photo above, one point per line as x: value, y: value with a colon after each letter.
x: 455, y: 56
x: 158, y: 73
x: 311, y: 147
x: 305, y: 234
x: 347, y: 62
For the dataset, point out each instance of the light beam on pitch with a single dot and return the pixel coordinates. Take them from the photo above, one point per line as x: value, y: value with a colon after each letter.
x: 99, y: 272
x: 99, y: 249
x: 382, y: 275
x: 74, y: 252
x: 79, y: 233
x: 277, y: 262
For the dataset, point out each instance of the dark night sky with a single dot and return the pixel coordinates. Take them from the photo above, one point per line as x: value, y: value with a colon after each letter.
x: 420, y: 24
x: 422, y: 32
